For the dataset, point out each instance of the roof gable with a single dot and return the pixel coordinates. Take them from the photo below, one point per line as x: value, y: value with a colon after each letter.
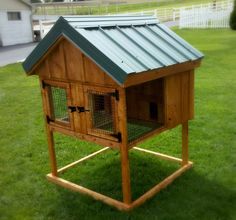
x: 119, y: 45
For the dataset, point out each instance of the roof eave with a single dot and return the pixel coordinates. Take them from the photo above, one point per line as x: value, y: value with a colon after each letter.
x: 62, y: 28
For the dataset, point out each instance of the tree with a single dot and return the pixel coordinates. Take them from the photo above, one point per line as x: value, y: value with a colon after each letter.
x: 232, y: 21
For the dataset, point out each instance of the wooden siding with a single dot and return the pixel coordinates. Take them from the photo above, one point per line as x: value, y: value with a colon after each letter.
x: 65, y: 62
x: 139, y: 98
x: 179, y: 98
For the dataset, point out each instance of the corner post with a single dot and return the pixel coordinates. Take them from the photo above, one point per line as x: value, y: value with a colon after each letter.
x: 49, y: 132
x: 124, y: 151
x: 51, y: 151
x: 185, y: 143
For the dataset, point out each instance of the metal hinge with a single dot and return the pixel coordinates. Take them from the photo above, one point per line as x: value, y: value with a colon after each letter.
x: 43, y: 84
x: 115, y: 94
x: 118, y: 136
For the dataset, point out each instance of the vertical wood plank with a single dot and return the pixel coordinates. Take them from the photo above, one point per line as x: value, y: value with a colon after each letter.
x: 185, y: 143
x: 50, y: 139
x: 78, y: 100
x: 51, y: 150
x: 191, y: 94
x: 124, y: 152
x: 73, y: 62
x: 173, y: 100
x: 57, y: 63
x: 92, y: 73
x: 185, y: 96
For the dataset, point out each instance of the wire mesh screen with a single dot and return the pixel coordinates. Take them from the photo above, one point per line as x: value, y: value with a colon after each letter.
x: 138, y: 128
x: 102, y: 112
x: 59, y: 102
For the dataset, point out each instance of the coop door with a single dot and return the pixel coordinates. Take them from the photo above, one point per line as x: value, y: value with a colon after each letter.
x: 102, y: 112
x: 57, y: 101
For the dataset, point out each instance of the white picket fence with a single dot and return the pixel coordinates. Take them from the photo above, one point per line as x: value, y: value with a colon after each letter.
x: 212, y: 15
x: 206, y: 15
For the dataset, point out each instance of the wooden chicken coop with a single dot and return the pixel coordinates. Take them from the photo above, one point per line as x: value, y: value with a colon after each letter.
x: 115, y: 81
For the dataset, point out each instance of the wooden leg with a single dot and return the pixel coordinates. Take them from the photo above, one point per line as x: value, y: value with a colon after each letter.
x: 124, y: 150
x: 125, y: 170
x: 185, y: 143
x: 51, y: 151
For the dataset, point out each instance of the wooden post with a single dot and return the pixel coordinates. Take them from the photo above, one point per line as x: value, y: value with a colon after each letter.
x: 184, y: 143
x: 124, y: 151
x: 51, y: 151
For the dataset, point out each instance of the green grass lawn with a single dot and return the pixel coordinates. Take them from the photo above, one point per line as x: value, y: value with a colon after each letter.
x: 208, y: 191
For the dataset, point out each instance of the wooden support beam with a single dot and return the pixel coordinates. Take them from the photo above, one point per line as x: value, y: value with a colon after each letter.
x: 81, y: 160
x: 51, y: 151
x: 185, y: 143
x: 163, y: 156
x: 72, y: 186
x: 160, y: 186
x: 124, y: 150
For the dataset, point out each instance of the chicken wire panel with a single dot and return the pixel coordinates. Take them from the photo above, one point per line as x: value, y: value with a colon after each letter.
x: 59, y: 102
x: 138, y: 128
x: 102, y: 112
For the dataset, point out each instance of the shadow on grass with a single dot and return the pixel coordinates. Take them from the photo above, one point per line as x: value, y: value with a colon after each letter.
x: 191, y: 196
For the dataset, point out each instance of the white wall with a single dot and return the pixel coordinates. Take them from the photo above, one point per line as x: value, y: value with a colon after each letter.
x: 15, y: 32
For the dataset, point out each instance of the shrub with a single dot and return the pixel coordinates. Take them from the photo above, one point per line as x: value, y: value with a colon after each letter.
x: 232, y: 21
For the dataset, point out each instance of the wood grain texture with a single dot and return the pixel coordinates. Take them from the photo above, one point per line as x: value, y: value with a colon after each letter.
x: 185, y: 143
x: 139, y: 98
x: 93, y: 74
x: 56, y: 63
x: 124, y: 151
x: 191, y: 94
x: 179, y: 98
x: 97, y: 196
x: 73, y: 61
x: 137, y: 78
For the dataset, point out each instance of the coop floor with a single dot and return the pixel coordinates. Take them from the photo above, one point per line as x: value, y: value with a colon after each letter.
x: 138, y: 128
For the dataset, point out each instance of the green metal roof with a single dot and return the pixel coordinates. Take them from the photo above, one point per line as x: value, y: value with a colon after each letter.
x: 120, y: 45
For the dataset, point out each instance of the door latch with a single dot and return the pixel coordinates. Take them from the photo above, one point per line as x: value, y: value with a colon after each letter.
x: 82, y: 109
x: 72, y: 108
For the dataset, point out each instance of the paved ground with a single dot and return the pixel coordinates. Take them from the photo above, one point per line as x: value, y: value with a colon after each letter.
x: 16, y: 53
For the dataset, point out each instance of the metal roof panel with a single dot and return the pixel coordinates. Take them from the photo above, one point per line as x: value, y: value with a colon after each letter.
x: 120, y: 45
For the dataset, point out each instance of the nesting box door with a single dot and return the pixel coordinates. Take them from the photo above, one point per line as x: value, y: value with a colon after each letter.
x: 57, y: 103
x: 101, y: 112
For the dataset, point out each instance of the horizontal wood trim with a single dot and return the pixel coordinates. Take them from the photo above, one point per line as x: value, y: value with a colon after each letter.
x: 137, y: 78
x: 57, y: 83
x: 97, y: 196
x: 100, y: 141
x: 92, y: 84
x: 81, y: 160
x: 162, y: 156
x: 160, y: 186
x: 100, y: 133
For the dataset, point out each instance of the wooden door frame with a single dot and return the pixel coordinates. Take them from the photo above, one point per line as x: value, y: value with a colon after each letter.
x: 96, y: 90
x: 48, y: 102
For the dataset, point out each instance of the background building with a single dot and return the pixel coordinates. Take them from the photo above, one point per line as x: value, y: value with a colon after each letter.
x: 15, y: 22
